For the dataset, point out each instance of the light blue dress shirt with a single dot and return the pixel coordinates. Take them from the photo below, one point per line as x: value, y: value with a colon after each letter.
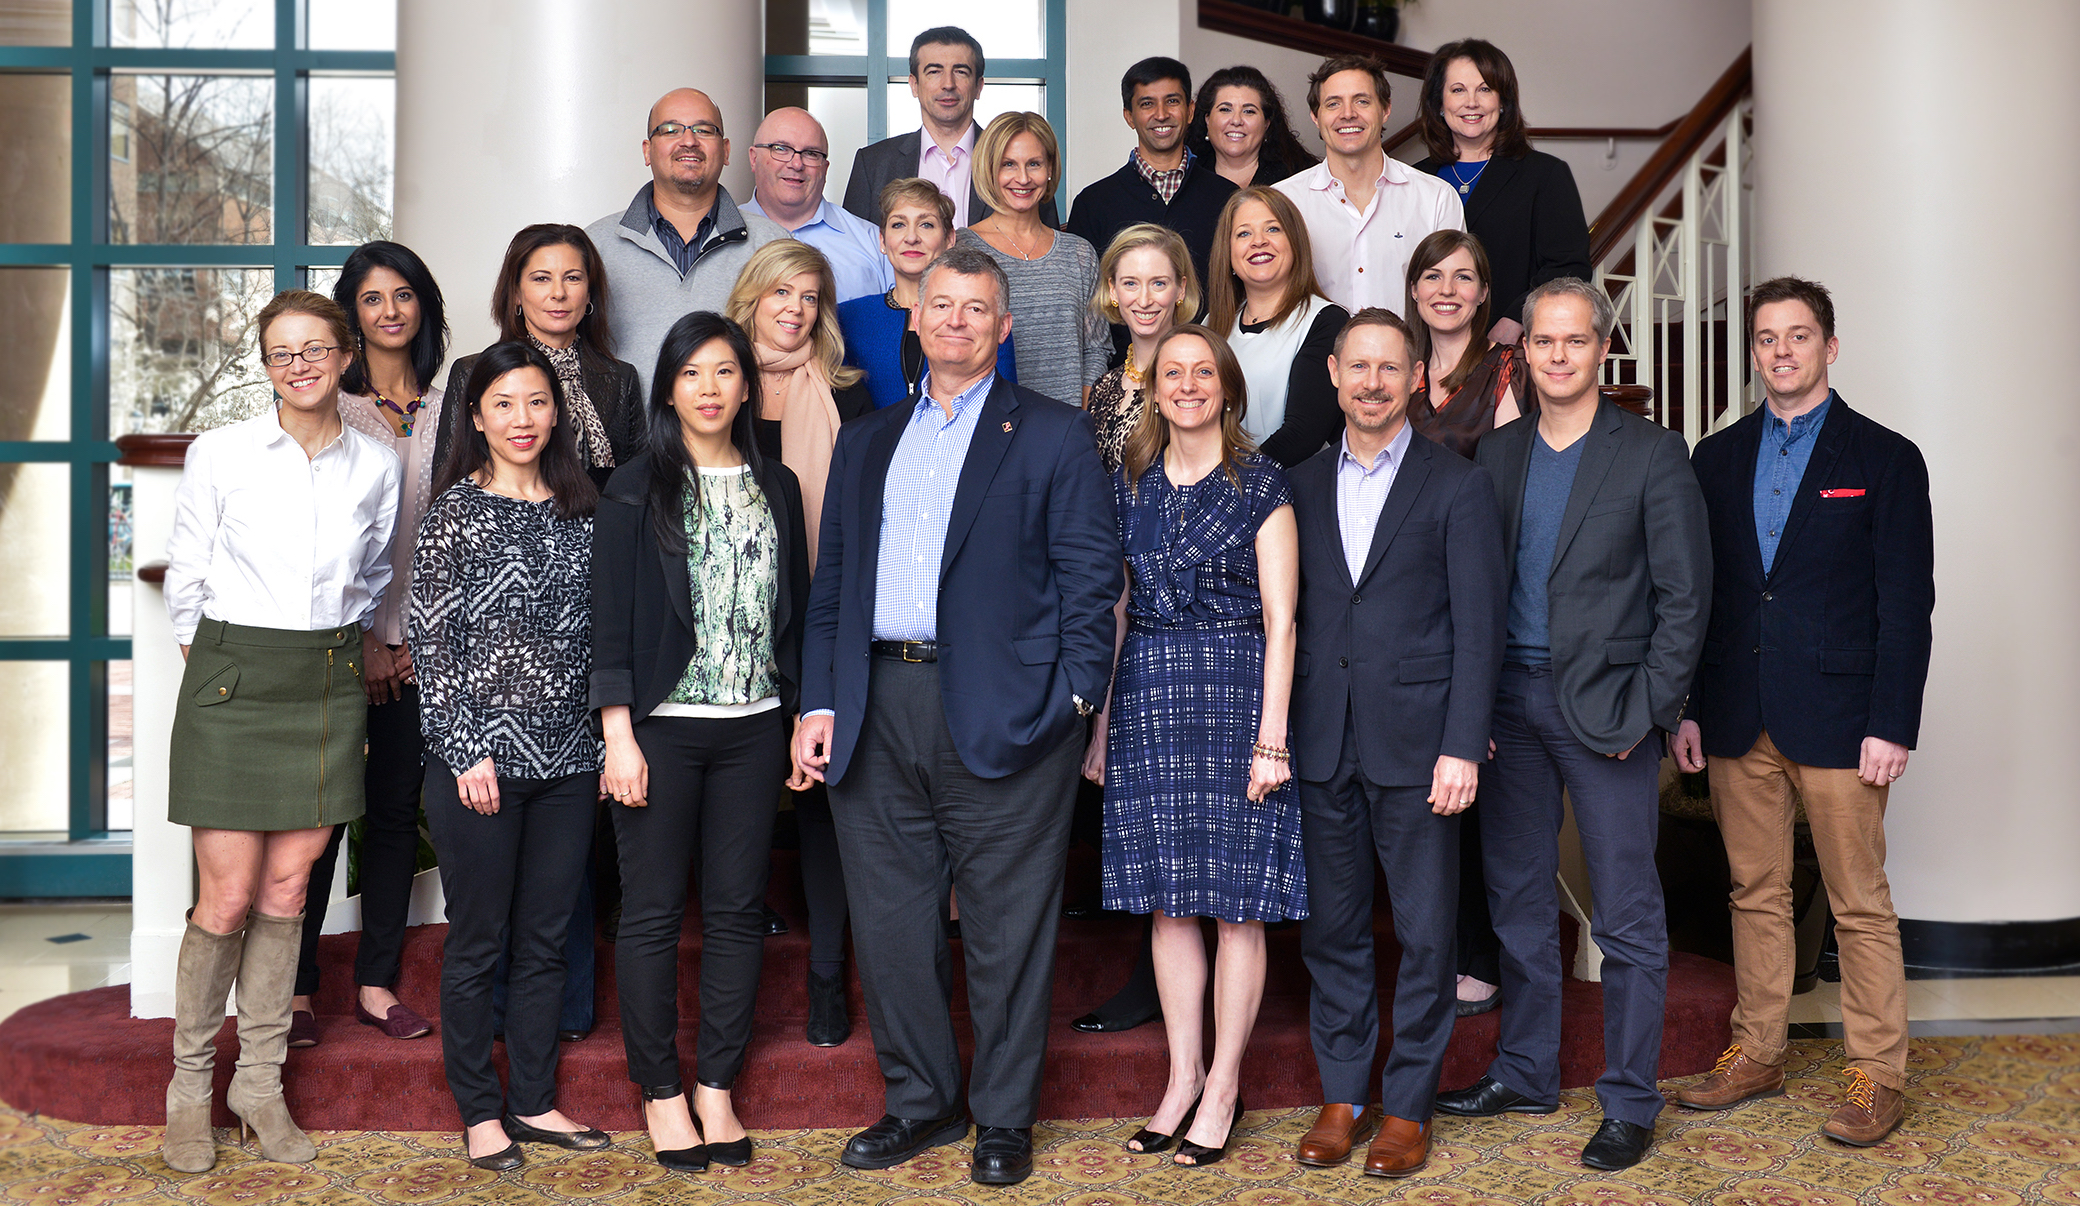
x: 915, y: 503
x: 852, y: 245
x: 1780, y: 464
x: 1361, y: 494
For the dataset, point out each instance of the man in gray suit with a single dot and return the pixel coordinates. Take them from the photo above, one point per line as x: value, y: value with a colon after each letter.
x: 1605, y: 530
x: 946, y: 67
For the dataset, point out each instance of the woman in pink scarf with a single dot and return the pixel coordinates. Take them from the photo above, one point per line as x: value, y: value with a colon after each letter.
x: 786, y: 299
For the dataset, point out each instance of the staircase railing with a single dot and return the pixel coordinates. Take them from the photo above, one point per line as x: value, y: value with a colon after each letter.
x: 1672, y: 250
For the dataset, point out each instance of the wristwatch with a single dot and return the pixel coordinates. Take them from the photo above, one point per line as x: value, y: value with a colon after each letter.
x: 1084, y: 707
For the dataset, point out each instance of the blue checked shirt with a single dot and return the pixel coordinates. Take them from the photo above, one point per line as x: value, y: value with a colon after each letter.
x: 1361, y: 494
x: 915, y: 504
x: 1780, y: 464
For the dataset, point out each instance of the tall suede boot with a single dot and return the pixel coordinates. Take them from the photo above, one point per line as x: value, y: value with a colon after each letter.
x: 266, y: 980
x: 201, y: 981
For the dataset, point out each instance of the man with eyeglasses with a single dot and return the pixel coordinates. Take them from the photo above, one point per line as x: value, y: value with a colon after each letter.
x: 790, y: 158
x: 681, y: 242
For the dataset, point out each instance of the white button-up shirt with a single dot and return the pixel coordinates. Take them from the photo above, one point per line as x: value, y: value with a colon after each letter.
x: 953, y: 174
x: 267, y: 537
x: 851, y: 244
x: 1361, y: 256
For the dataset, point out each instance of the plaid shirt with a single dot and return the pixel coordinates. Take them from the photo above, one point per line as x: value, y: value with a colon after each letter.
x: 1166, y: 183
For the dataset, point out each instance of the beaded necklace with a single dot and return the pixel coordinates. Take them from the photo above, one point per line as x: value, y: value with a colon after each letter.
x: 408, y: 413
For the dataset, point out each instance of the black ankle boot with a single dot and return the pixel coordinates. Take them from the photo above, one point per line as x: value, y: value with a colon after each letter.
x: 829, y: 1023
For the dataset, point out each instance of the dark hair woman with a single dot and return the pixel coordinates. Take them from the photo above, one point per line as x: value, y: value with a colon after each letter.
x: 1472, y: 384
x: 1522, y: 204
x: 502, y: 619
x: 700, y: 580
x: 552, y: 293
x: 278, y: 560
x: 1201, y: 816
x: 388, y: 394
x: 1240, y: 120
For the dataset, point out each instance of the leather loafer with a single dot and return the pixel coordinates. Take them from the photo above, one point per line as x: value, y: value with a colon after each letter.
x: 398, y: 1022
x: 893, y: 1140
x: 1003, y: 1155
x: 1400, y: 1149
x: 573, y: 1036
x: 1617, y: 1145
x: 303, y: 1028
x: 1335, y: 1131
x: 1487, y: 1098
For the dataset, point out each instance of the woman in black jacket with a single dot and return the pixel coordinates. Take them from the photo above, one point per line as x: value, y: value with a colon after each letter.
x: 700, y: 581
x: 552, y: 293
x: 1521, y: 204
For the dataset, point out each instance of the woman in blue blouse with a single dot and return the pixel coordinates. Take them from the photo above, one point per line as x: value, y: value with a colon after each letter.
x: 501, y: 633
x: 916, y: 225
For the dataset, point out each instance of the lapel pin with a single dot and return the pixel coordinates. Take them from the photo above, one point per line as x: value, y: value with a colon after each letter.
x: 1007, y: 426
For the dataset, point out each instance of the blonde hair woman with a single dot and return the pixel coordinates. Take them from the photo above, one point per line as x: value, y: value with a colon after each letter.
x: 1145, y: 282
x: 786, y: 300
x: 1062, y: 346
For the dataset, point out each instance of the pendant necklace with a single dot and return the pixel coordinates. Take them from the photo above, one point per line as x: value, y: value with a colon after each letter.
x: 1466, y: 183
x: 408, y: 413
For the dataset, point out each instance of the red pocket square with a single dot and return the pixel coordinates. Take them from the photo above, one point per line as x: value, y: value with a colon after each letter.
x: 1841, y: 494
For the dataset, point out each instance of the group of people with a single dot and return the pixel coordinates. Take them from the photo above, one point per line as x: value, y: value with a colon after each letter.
x: 1278, y: 497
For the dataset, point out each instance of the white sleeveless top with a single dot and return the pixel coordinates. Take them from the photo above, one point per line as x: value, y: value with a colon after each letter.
x: 1267, y: 365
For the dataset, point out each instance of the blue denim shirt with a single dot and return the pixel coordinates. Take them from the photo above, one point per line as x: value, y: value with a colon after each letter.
x: 1780, y: 464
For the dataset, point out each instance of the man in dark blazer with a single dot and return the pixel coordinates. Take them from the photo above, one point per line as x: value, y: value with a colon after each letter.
x: 1611, y: 571
x: 1823, y: 573
x: 959, y: 631
x: 946, y: 67
x: 1402, y: 591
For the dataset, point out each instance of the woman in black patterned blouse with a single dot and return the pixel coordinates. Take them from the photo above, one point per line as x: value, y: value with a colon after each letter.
x: 501, y: 630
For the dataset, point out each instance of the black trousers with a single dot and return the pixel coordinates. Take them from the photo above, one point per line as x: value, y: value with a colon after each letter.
x: 714, y: 789
x: 515, y: 871
x: 823, y: 880
x: 908, y: 811
x: 389, y: 851
x: 1617, y: 809
x: 1347, y: 823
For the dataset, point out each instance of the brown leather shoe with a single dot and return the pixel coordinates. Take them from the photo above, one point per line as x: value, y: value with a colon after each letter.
x: 1401, y: 1147
x: 1733, y: 1080
x: 1329, y: 1141
x: 1869, y: 1115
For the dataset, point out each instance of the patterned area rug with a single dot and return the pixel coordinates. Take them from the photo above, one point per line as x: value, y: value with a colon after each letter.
x: 1990, y: 1122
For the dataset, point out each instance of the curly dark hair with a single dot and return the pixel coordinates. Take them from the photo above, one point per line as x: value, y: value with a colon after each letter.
x: 1281, y: 146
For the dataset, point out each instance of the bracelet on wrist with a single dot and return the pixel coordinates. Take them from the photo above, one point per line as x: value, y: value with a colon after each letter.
x: 1272, y: 752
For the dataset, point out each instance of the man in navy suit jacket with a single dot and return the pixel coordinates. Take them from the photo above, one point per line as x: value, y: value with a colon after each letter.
x: 959, y: 630
x: 1402, y: 594
x: 1824, y: 579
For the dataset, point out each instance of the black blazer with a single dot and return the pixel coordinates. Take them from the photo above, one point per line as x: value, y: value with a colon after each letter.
x: 642, y: 598
x: 875, y: 165
x: 1410, y: 651
x: 1528, y: 216
x: 612, y: 385
x: 1106, y: 207
x: 1830, y: 645
x: 1632, y: 573
x: 1031, y: 570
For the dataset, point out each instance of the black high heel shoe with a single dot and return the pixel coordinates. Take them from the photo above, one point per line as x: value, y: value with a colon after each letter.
x: 1202, y: 1156
x: 679, y: 1159
x: 1156, y: 1141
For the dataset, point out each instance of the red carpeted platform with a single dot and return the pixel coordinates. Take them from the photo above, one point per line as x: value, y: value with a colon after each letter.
x: 83, y: 1058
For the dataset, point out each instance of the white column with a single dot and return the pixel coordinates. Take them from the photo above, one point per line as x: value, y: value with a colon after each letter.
x: 1918, y: 160
x: 162, y: 867
x: 518, y: 111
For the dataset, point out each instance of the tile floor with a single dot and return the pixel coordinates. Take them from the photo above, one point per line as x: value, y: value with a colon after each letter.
x: 33, y: 968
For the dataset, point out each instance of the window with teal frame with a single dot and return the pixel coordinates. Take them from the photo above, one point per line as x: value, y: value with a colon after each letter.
x: 170, y: 164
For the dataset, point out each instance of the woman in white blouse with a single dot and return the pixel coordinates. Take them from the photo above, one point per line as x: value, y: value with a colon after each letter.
x: 277, y: 563
x: 387, y: 392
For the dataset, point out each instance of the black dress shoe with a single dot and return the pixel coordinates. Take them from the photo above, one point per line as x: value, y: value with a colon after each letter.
x: 829, y: 1023
x: 775, y: 923
x: 1617, y: 1145
x: 573, y: 1036
x: 1082, y: 910
x: 893, y: 1140
x: 502, y: 1160
x: 575, y: 1141
x: 1485, y: 1098
x: 1096, y: 1022
x: 953, y: 929
x: 1003, y: 1155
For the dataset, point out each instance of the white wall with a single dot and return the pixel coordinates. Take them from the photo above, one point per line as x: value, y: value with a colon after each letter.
x: 1105, y: 38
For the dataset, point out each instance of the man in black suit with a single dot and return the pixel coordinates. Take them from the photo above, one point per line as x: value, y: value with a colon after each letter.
x: 946, y: 66
x: 1611, y: 570
x: 1402, y: 592
x: 959, y: 631
x: 1823, y: 579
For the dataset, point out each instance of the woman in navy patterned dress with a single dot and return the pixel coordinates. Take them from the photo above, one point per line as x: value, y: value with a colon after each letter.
x: 1201, y: 819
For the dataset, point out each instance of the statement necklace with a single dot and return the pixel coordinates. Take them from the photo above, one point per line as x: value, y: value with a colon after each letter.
x: 1129, y: 374
x: 1466, y: 182
x: 409, y: 413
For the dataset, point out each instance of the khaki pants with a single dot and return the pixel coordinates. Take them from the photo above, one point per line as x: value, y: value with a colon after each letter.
x: 1751, y: 799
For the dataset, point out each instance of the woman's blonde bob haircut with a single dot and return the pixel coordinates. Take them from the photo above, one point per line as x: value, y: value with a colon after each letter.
x: 776, y: 262
x: 1163, y: 239
x: 996, y: 139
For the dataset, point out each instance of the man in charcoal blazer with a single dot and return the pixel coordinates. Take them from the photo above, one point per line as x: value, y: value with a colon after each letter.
x: 959, y: 631
x: 1402, y: 591
x: 1611, y: 574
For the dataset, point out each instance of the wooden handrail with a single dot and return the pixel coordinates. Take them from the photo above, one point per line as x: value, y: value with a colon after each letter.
x: 155, y: 450
x: 1614, y: 224
x: 153, y: 572
x: 1263, y: 25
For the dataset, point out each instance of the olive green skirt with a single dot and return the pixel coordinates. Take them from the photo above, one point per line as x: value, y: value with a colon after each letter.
x: 270, y: 729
